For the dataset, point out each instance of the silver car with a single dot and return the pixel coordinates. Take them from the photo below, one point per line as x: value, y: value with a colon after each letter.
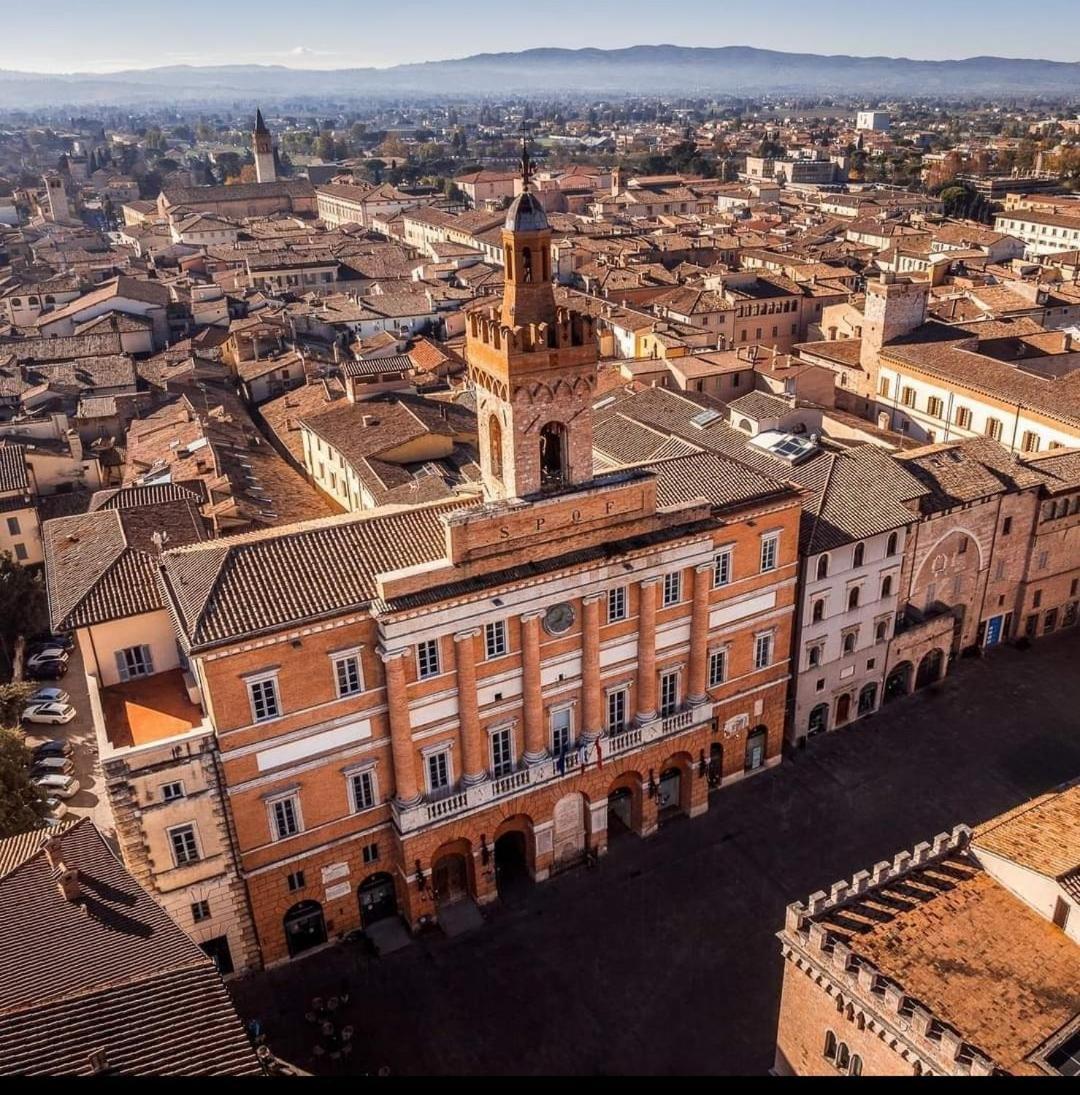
x: 59, y: 786
x: 49, y: 713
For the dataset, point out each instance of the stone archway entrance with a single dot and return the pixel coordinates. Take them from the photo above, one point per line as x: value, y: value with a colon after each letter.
x: 669, y: 801
x: 305, y: 927
x: 929, y: 669
x: 511, y: 863
x: 378, y: 899
x: 714, y: 774
x: 450, y: 879
x: 620, y: 812
x: 898, y: 682
x: 843, y: 709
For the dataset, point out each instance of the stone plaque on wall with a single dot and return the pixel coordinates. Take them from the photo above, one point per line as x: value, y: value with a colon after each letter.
x: 334, y: 871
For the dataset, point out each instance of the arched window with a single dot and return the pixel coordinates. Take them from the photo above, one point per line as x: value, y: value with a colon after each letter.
x: 881, y: 631
x: 823, y: 567
x: 890, y: 547
x: 819, y: 720
x: 843, y: 1057
x: 855, y: 1068
x: 553, y: 455
x: 526, y: 265
x: 849, y: 642
x: 830, y: 1045
x: 495, y: 446
x: 886, y: 586
x: 814, y: 656
x: 818, y: 612
x: 853, y: 598
x: 857, y: 556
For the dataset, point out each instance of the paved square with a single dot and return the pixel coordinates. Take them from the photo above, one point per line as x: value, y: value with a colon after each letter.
x: 663, y: 958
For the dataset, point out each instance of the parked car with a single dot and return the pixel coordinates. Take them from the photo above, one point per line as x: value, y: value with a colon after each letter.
x: 55, y: 713
x: 52, y: 766
x: 56, y: 806
x: 58, y: 786
x: 51, y: 670
x: 47, y: 654
x: 65, y: 640
x: 49, y: 695
x: 53, y: 748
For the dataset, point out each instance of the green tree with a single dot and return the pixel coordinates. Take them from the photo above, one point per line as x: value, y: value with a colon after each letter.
x: 23, y: 608
x: 22, y: 805
x: 13, y: 699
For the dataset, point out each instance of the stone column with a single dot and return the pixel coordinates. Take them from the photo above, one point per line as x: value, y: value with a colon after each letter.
x: 699, y: 636
x: 401, y: 744
x: 592, y: 713
x: 532, y: 697
x: 474, y: 759
x: 646, y: 685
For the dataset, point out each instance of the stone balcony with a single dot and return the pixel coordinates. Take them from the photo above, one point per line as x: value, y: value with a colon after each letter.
x: 467, y: 799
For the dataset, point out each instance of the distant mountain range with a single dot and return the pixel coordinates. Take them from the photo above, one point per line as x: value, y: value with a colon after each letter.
x: 642, y: 70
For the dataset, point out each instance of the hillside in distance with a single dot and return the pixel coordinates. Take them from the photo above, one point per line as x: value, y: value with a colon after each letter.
x: 640, y: 70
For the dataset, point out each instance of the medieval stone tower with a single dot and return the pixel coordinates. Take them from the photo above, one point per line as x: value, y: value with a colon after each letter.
x: 263, y: 144
x: 534, y: 367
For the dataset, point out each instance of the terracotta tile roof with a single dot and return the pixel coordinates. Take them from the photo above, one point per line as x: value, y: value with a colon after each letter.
x: 971, y: 953
x: 1043, y: 835
x: 109, y: 971
x: 258, y: 582
x: 13, y: 468
x: 101, y: 566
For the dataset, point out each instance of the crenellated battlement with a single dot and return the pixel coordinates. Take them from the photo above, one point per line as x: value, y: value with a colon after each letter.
x: 570, y: 329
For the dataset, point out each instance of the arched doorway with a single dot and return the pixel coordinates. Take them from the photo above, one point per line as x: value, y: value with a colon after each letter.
x: 670, y: 792
x: 715, y: 772
x: 929, y: 669
x: 569, y: 829
x: 450, y: 878
x: 898, y: 682
x: 305, y: 927
x: 620, y: 813
x: 843, y: 708
x: 867, y: 698
x: 511, y: 863
x: 819, y: 720
x: 553, y: 455
x: 378, y: 899
x: 755, y: 748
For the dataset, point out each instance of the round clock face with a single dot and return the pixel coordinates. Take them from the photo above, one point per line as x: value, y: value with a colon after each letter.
x: 558, y: 618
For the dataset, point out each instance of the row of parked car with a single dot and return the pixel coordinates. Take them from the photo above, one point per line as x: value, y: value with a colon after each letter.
x: 51, y: 765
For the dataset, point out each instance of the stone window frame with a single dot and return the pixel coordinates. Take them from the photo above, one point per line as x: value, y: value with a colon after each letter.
x: 165, y: 797
x: 727, y: 552
x: 770, y: 536
x: 429, y: 645
x: 427, y: 753
x: 369, y: 768
x: 349, y: 654
x: 506, y: 726
x: 851, y: 632
x: 496, y: 640
x: 610, y: 690
x: 619, y: 594
x: 819, y: 646
x: 198, y: 856
x: 271, y: 801
x: 770, y: 635
x: 724, y: 651
x: 672, y: 589
x: 675, y: 671
x: 262, y: 676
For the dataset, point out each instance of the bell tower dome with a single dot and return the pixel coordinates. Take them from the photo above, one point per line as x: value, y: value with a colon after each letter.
x: 533, y: 363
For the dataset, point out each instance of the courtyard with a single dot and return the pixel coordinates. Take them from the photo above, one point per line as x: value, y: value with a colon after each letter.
x: 662, y: 959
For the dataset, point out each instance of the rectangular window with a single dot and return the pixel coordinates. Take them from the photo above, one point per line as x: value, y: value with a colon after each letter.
x: 561, y: 730
x: 934, y: 407
x: 717, y: 667
x: 672, y: 588
x: 200, y: 911
x: 13, y: 526
x: 907, y: 397
x: 616, y: 711
x: 170, y: 792
x: 438, y: 770
x: 1030, y: 441
x: 427, y: 658
x: 993, y: 429
x: 495, y: 639
x: 264, y: 700
x: 963, y: 418
x: 883, y: 386
x: 295, y: 881
x: 769, y: 547
x: 669, y: 694
x: 1006, y: 526
x: 502, y: 752
x: 184, y: 848
x: 362, y: 786
x: 285, y: 814
x: 722, y: 568
x: 616, y: 604
x: 21, y: 553
x: 370, y: 853
x: 347, y: 674
x: 762, y: 651
x: 135, y: 661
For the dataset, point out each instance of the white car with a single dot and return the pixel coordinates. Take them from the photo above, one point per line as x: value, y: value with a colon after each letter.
x: 47, y: 654
x: 57, y: 807
x: 54, y: 713
x: 59, y: 786
x: 48, y: 695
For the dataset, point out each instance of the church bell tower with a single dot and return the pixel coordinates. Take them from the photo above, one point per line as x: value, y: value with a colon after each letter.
x: 263, y: 146
x: 533, y: 363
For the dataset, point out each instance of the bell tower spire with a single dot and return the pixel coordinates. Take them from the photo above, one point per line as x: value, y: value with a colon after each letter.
x: 263, y: 148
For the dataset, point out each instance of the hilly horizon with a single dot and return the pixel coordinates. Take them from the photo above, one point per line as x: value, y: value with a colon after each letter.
x: 645, y: 69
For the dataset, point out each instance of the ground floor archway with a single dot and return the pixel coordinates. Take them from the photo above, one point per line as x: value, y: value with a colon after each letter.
x: 898, y: 682
x: 450, y: 875
x: 818, y: 722
x: 930, y: 668
x: 867, y: 698
x: 378, y: 898
x: 305, y: 927
x: 755, y: 748
x: 511, y: 862
x: 843, y: 708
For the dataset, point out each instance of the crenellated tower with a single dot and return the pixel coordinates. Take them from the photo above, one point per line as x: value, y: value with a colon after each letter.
x: 534, y: 366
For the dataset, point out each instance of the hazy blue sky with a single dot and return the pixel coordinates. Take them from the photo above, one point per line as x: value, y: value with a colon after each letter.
x: 84, y: 35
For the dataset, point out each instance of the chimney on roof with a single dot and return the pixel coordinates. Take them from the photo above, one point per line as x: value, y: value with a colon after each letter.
x: 369, y: 420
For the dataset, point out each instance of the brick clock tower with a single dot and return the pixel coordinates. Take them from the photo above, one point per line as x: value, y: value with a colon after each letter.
x: 534, y: 367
